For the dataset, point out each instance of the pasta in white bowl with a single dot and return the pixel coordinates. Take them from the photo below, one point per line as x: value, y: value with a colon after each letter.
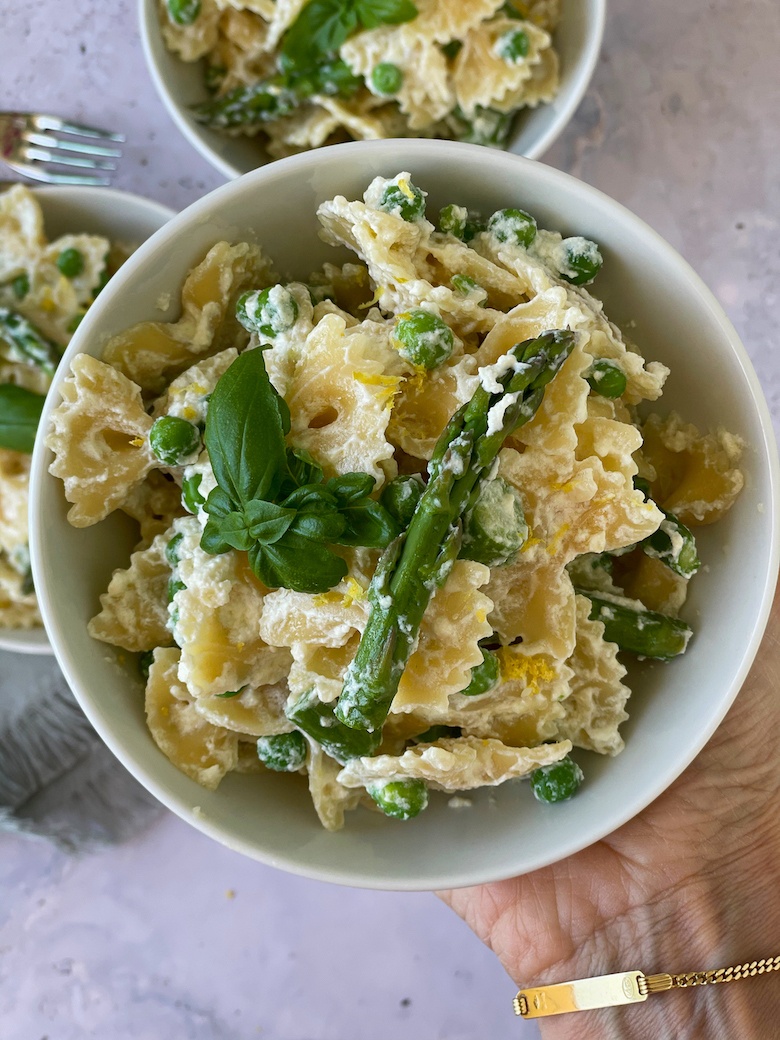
x: 298, y: 615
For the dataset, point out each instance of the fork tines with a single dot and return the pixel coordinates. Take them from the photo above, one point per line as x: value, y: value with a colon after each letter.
x: 34, y: 145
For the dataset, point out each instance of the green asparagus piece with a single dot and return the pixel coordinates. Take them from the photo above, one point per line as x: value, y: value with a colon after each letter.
x: 316, y: 718
x: 247, y: 106
x: 643, y: 632
x: 25, y: 343
x: 673, y: 544
x: 20, y: 413
x: 417, y: 561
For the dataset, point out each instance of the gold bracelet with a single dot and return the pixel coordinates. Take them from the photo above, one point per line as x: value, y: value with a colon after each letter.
x: 626, y: 987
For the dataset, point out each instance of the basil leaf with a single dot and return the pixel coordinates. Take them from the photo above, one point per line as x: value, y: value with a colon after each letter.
x: 211, y: 541
x: 303, y: 467
x: 234, y: 529
x: 218, y: 503
x: 311, y: 496
x: 297, y: 563
x: 245, y: 428
x: 351, y: 486
x: 385, y: 12
x: 20, y: 413
x: 318, y: 524
x: 320, y: 29
x: 367, y: 523
x: 267, y: 521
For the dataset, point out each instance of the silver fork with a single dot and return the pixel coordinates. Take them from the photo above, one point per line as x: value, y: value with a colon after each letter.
x: 34, y: 145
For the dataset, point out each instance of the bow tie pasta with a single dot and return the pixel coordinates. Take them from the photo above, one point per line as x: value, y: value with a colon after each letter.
x: 45, y: 290
x: 305, y: 74
x: 401, y: 522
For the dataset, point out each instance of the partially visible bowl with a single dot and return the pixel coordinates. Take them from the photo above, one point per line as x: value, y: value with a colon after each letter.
x: 119, y: 216
x: 180, y: 85
x: 674, y: 709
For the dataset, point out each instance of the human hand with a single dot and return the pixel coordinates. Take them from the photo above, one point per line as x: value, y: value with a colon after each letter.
x: 691, y: 883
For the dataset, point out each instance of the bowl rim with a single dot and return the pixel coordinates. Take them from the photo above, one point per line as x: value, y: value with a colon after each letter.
x: 148, y: 20
x: 35, y: 641
x: 200, y: 211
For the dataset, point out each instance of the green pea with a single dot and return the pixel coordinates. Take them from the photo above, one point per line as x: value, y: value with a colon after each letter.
x: 556, y: 782
x: 484, y: 676
x: 473, y: 227
x: 583, y: 259
x: 485, y: 126
x: 513, y: 225
x: 513, y: 46
x: 387, y: 78
x: 452, y: 49
x: 267, y: 312
x: 407, y: 202
x: 400, y: 497
x: 190, y: 495
x: 173, y: 439
x: 74, y: 322
x: 284, y: 753
x: 174, y: 586
x: 172, y: 549
x: 401, y: 799
x: 465, y: 286
x: 452, y: 220
x: 183, y: 12
x: 71, y: 262
x: 494, y: 528
x: 145, y: 661
x: 606, y: 378
x: 424, y: 339
x: 20, y: 286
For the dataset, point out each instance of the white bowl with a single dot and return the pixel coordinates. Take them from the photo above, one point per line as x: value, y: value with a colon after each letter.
x: 180, y: 85
x: 119, y: 216
x: 675, y: 707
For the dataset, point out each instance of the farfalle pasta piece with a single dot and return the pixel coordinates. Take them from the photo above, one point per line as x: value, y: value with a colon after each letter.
x: 454, y: 763
x: 194, y: 41
x: 573, y: 506
x: 448, y: 647
x: 330, y: 797
x: 595, y: 708
x: 134, y: 609
x: 424, y: 404
x: 14, y: 479
x: 697, y: 474
x: 216, y: 621
x: 154, y: 503
x: 21, y: 231
x: 482, y: 77
x: 200, y: 750
x: 188, y: 394
x: 151, y: 352
x: 99, y: 436
x: 340, y: 395
x: 255, y: 711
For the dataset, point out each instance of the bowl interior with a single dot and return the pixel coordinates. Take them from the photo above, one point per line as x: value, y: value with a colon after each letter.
x: 98, y: 211
x: 180, y: 85
x: 674, y: 708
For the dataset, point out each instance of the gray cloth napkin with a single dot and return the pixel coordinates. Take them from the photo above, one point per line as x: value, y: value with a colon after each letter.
x: 57, y: 779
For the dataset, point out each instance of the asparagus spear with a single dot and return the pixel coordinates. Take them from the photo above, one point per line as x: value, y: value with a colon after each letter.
x: 26, y: 343
x: 247, y: 106
x: 643, y: 632
x: 315, y: 718
x: 420, y: 559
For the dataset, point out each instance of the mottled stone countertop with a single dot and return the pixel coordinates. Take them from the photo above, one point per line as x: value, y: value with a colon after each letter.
x: 172, y: 936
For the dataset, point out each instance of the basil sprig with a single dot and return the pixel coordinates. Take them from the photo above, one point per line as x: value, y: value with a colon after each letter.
x: 272, y: 501
x: 323, y: 25
x: 20, y: 413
